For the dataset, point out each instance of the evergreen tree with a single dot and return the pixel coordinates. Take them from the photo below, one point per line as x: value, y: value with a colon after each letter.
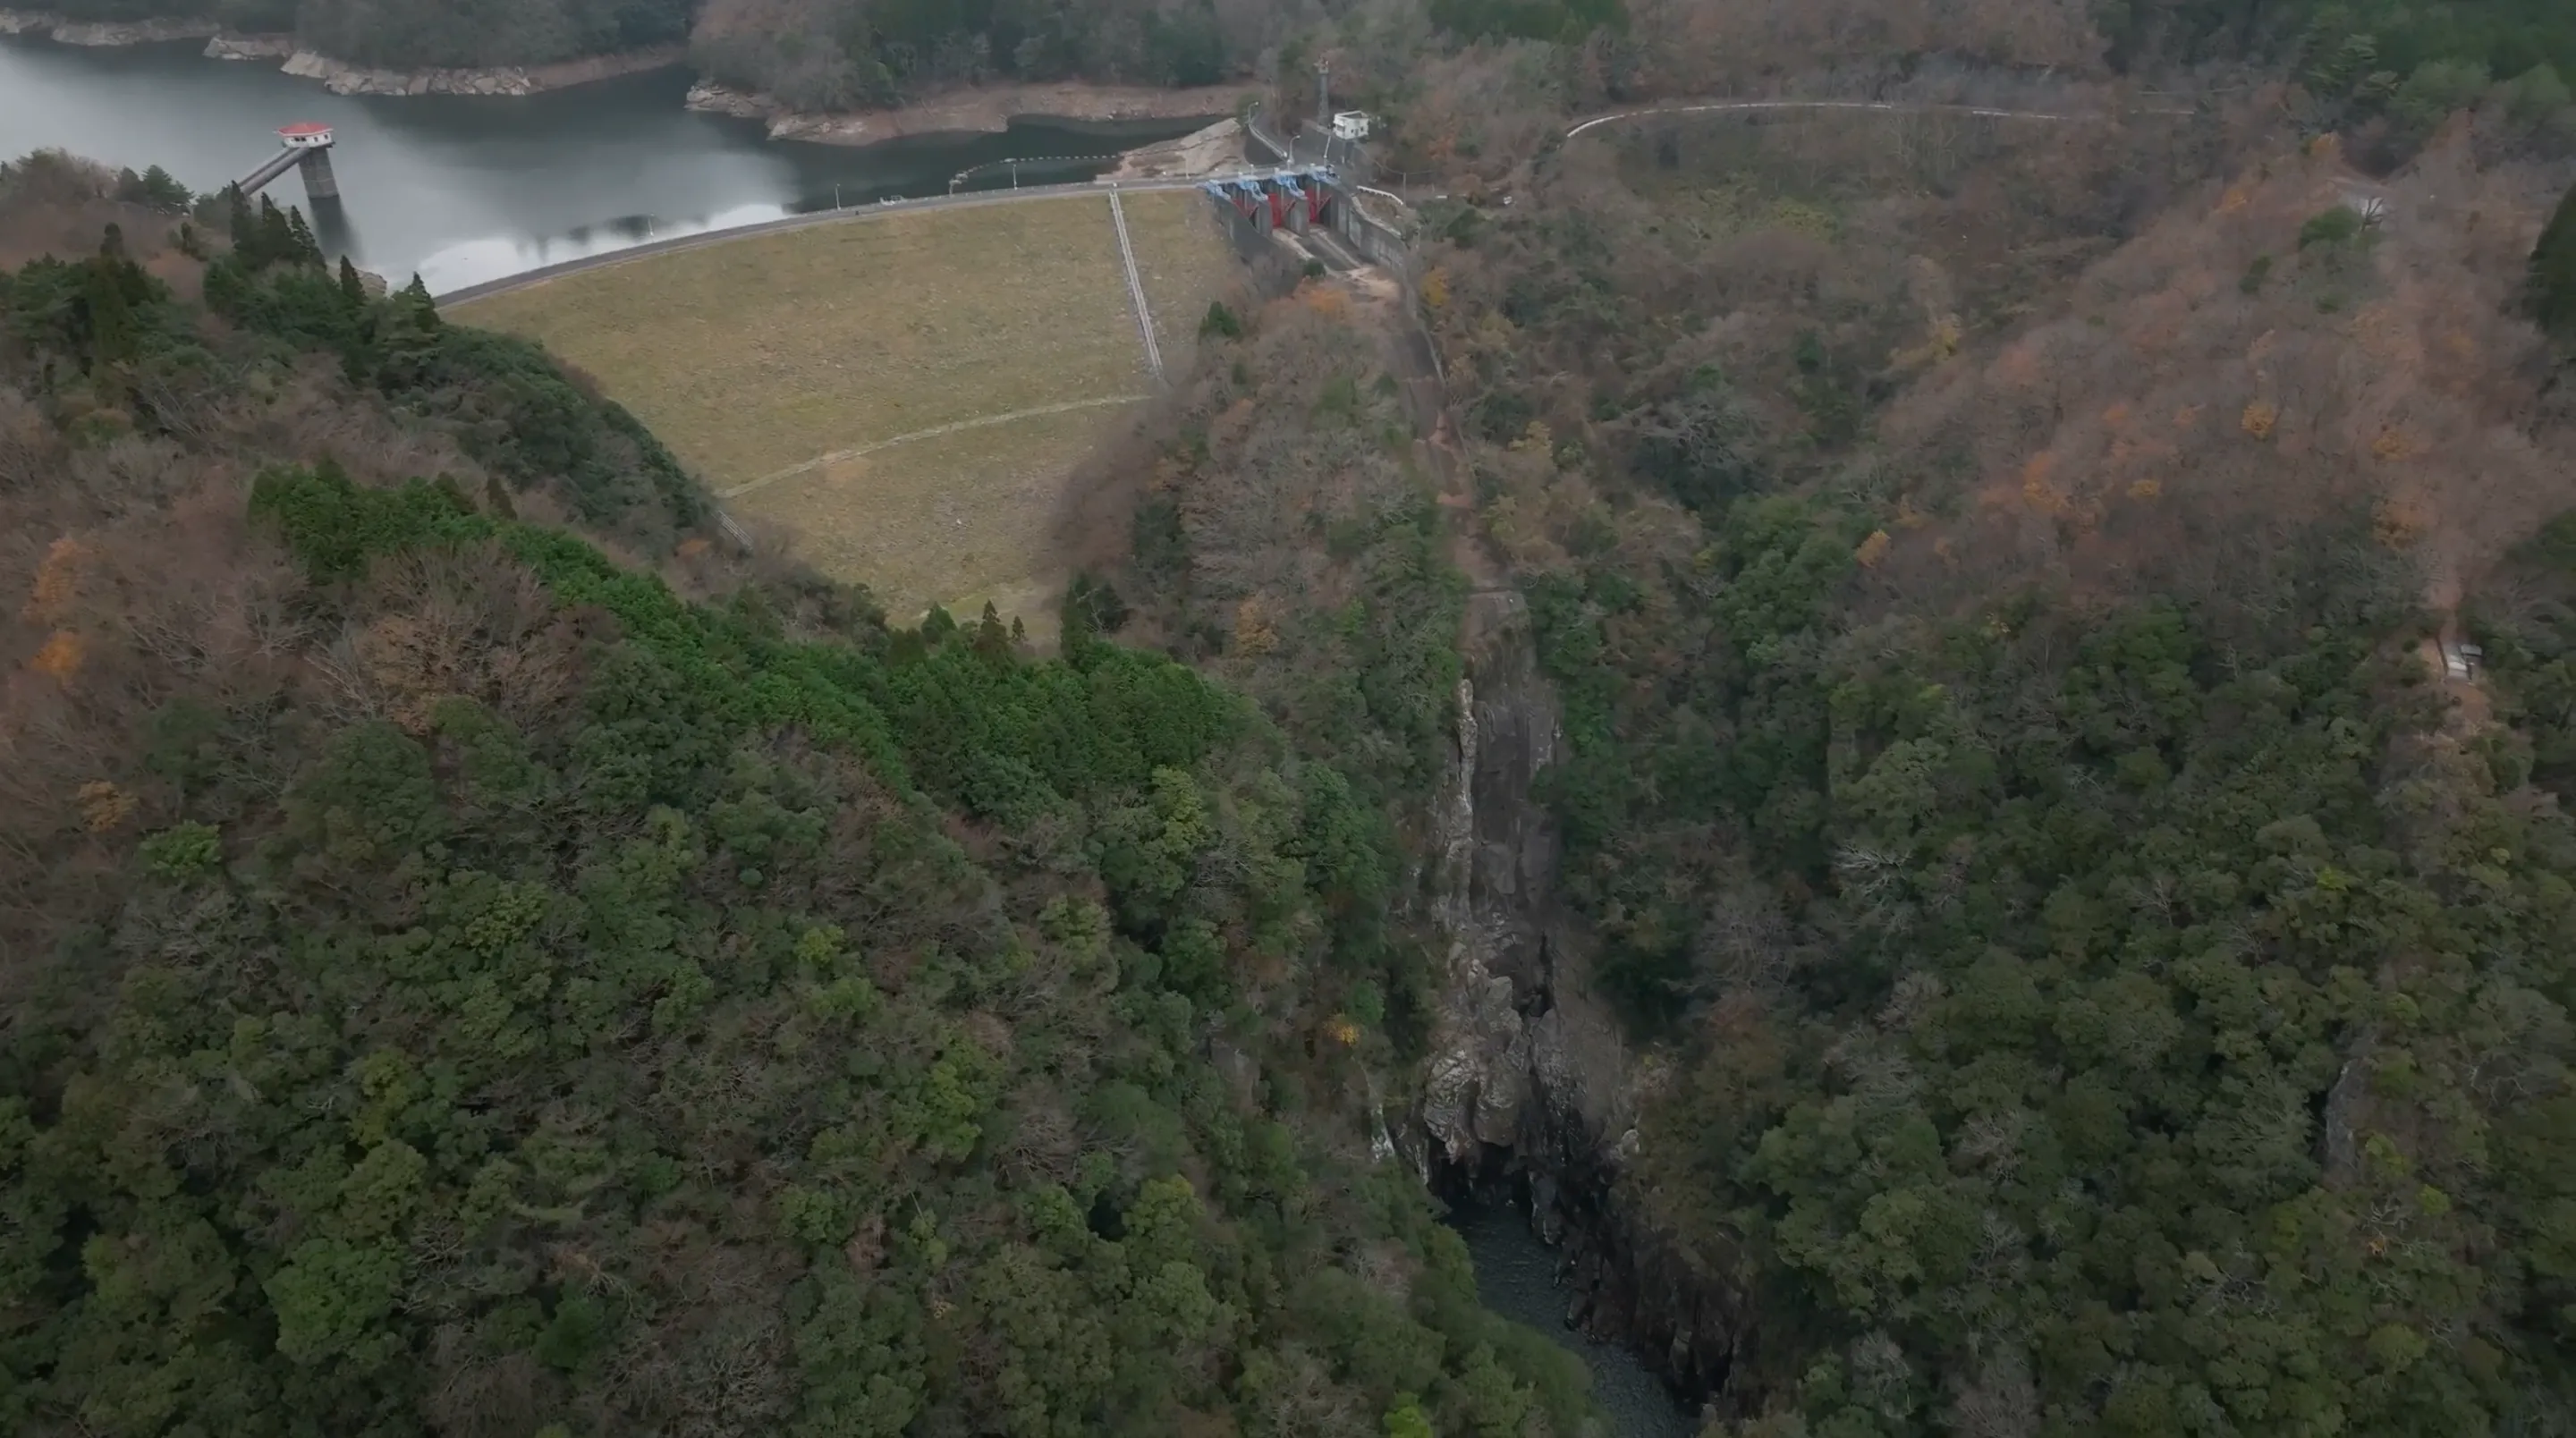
x: 2553, y: 275
x: 405, y: 334
x: 422, y: 310
x: 307, y: 250
x: 163, y: 192
x: 276, y: 236
x: 106, y: 308
x: 353, y: 290
x: 992, y: 641
x: 244, y: 229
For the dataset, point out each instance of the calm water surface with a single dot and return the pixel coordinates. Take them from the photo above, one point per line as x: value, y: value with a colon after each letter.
x: 1516, y: 1277
x: 463, y: 189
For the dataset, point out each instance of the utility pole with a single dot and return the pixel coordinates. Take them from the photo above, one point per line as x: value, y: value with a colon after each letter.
x: 1323, y: 106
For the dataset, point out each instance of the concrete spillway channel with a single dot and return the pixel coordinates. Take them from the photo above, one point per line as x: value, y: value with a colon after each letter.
x: 1136, y: 290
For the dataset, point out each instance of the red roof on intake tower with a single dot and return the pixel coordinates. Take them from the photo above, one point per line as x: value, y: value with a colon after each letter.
x: 304, y: 127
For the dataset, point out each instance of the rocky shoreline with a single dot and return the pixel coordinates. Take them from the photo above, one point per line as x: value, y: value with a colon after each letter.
x: 250, y: 47
x: 988, y: 110
x: 96, y: 35
x: 342, y: 78
x: 1198, y: 155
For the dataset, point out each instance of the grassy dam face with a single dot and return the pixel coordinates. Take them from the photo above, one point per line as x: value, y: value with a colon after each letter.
x: 901, y: 396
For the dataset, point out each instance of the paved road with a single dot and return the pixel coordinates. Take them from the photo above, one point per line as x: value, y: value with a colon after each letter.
x: 1899, y: 107
x: 968, y: 200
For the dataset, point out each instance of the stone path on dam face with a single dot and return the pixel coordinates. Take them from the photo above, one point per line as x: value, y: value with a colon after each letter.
x: 841, y: 456
x: 901, y: 398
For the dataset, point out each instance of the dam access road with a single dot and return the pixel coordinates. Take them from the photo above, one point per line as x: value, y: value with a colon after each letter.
x: 971, y: 199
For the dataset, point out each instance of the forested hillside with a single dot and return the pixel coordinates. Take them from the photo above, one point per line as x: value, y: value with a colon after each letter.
x: 2065, y: 635
x: 1992, y: 578
x: 419, y: 34
x: 460, y: 981
x: 2396, y: 60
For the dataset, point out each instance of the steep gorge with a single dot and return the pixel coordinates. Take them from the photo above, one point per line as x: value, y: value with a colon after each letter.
x: 1530, y: 1093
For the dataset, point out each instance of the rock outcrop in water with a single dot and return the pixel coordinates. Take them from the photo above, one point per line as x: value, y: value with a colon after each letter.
x: 1529, y: 1080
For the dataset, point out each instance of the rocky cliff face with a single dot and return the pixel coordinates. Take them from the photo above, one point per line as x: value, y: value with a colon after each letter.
x: 1529, y: 1087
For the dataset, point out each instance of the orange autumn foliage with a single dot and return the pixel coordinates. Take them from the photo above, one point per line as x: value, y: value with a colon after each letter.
x: 57, y: 579
x: 104, y: 806
x: 60, y: 658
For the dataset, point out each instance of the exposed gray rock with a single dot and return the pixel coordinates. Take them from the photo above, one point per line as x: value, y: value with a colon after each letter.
x: 1528, y: 1069
x: 717, y: 99
x: 250, y: 47
x: 342, y: 78
x: 1521, y: 1055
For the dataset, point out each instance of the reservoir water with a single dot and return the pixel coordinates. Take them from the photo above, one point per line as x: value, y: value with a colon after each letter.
x: 1516, y: 1277
x: 462, y: 189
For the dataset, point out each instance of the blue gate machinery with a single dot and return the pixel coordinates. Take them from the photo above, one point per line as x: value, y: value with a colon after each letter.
x: 1283, y: 195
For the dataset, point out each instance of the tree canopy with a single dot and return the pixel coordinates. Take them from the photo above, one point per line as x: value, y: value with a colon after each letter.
x: 480, y: 990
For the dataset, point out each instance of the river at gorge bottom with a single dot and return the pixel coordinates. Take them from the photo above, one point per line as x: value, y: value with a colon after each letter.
x: 1516, y: 1277
x: 463, y: 189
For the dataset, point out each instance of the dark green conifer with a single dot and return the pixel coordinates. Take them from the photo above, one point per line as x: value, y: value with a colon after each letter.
x: 992, y: 641
x: 244, y: 230
x: 276, y: 236
x: 110, y: 316
x: 423, y: 310
x: 307, y: 251
x: 2553, y: 276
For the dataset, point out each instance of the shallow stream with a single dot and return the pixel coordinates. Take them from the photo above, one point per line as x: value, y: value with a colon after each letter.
x: 1516, y: 1277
